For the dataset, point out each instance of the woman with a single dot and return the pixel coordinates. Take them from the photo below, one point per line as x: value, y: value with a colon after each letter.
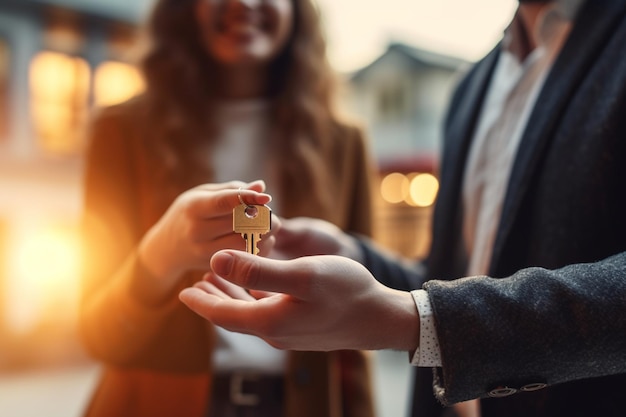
x: 236, y: 90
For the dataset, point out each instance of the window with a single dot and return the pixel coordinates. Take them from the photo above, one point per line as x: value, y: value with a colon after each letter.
x: 59, y: 100
x: 391, y: 103
x: 115, y: 82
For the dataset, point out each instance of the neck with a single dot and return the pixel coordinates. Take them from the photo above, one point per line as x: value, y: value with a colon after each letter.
x: 526, y: 20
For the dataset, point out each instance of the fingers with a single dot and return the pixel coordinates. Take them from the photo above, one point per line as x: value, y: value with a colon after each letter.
x: 265, y: 245
x: 277, y: 223
x: 230, y: 290
x: 220, y: 286
x: 258, y: 273
x: 208, y: 203
x: 209, y: 302
x: 234, y: 315
x: 199, y: 300
x: 258, y: 186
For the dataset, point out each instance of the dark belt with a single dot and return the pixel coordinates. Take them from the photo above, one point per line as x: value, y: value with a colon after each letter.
x: 247, y: 394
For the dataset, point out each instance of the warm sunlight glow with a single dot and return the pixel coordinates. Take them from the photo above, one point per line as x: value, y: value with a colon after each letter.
x: 394, y: 188
x: 423, y: 190
x: 48, y: 258
x: 43, y: 264
x: 116, y: 82
x: 59, y: 95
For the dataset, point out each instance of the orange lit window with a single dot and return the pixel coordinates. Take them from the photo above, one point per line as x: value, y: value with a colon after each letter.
x: 59, y: 100
x: 4, y: 89
x: 116, y: 82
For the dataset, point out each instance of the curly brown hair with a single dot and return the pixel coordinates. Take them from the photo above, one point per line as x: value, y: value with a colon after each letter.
x: 177, y: 70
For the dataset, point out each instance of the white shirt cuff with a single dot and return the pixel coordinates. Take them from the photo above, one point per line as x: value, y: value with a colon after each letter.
x: 428, y: 353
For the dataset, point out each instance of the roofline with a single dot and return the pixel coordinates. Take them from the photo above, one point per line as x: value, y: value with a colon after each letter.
x: 421, y: 55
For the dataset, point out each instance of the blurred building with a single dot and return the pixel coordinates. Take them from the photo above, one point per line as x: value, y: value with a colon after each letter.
x: 402, y: 96
x: 58, y: 59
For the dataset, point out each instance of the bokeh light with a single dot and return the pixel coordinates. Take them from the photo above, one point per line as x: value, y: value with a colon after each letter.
x: 423, y: 190
x: 394, y: 188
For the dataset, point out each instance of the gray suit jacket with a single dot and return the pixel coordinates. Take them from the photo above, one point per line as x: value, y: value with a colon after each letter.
x: 555, y: 310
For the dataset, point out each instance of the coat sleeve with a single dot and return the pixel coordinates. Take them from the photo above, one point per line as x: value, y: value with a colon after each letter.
x: 537, y: 326
x: 390, y: 269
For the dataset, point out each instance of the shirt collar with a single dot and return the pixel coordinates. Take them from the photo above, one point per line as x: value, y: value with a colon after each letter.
x: 552, y: 24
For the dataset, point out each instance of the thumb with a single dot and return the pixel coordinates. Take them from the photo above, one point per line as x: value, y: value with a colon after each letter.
x: 257, y: 273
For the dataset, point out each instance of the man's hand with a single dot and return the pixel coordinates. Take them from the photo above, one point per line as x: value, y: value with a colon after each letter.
x: 317, y: 303
x: 304, y: 236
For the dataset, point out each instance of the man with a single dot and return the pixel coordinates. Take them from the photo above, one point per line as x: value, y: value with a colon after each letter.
x: 531, y: 192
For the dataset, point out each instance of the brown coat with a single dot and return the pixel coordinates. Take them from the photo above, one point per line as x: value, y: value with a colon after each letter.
x: 157, y: 358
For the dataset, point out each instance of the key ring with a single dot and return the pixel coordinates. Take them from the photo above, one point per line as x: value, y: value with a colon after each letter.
x: 241, y: 199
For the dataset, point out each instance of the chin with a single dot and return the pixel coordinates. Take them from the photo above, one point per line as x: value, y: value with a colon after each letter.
x: 246, y: 59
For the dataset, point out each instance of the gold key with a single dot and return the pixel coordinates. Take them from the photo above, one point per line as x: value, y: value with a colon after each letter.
x: 252, y: 221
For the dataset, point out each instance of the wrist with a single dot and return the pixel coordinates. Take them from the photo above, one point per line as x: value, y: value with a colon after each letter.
x: 154, y: 258
x: 410, y: 323
x: 401, y: 324
x: 160, y: 276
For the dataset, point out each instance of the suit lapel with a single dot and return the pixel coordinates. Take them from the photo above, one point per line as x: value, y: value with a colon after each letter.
x: 594, y: 24
x: 459, y: 132
x: 461, y: 128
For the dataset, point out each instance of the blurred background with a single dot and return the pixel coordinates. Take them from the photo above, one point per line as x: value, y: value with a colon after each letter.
x: 59, y: 59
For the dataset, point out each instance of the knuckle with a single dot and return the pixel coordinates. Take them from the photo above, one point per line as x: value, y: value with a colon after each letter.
x: 223, y: 202
x: 235, y: 184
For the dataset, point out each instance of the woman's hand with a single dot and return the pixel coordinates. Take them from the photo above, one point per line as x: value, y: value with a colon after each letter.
x: 196, y: 225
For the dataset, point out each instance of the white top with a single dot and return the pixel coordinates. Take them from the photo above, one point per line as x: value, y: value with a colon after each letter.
x: 241, y: 153
x: 510, y: 99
